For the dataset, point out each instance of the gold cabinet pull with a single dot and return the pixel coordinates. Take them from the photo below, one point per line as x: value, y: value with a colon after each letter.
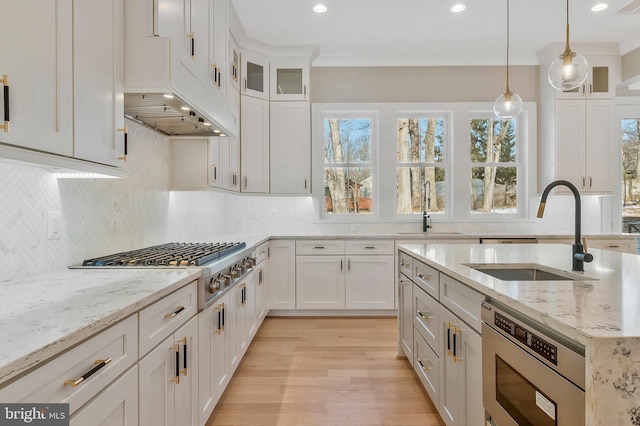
x: 99, y: 364
x: 424, y: 367
x: 425, y: 317
x: 124, y: 129
x: 176, y: 378
x: 176, y: 312
x: 5, y: 83
x: 185, y: 356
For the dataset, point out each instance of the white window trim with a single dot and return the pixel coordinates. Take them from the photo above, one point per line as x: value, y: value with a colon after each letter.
x: 384, y: 159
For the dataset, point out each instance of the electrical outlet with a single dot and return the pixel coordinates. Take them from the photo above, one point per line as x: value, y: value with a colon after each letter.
x: 54, y: 225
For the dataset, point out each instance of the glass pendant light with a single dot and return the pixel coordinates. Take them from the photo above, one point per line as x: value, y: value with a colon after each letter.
x: 570, y: 69
x: 509, y: 104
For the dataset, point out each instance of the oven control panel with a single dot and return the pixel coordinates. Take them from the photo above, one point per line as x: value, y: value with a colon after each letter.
x: 527, y: 338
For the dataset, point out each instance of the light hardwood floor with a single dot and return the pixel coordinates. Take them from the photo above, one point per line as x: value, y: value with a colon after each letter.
x: 325, y: 371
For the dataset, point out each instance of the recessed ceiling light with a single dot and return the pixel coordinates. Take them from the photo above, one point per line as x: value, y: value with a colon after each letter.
x: 319, y: 8
x: 185, y: 108
x: 456, y: 8
x: 222, y: 134
x: 216, y: 131
x: 206, y: 124
x: 599, y: 7
x: 168, y: 96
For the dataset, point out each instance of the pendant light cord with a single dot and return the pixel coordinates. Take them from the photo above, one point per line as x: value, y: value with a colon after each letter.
x: 507, y: 91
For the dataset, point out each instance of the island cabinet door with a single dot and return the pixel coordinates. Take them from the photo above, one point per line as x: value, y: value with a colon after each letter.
x: 460, y: 372
x: 405, y: 315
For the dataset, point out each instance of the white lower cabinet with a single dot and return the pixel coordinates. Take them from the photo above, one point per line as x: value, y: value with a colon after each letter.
x: 78, y: 375
x: 261, y: 291
x: 117, y: 405
x: 339, y: 274
x: 460, y: 372
x: 320, y: 282
x: 427, y: 367
x: 282, y: 274
x: 213, y: 356
x: 369, y: 283
x: 439, y: 328
x: 168, y: 384
x: 405, y: 315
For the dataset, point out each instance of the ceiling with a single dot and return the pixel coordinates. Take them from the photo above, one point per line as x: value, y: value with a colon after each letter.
x: 426, y: 32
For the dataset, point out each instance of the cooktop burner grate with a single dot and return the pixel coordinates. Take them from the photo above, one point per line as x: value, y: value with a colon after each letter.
x: 170, y: 254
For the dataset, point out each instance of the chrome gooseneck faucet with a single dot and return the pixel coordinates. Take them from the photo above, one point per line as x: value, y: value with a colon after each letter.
x: 426, y: 220
x: 580, y: 254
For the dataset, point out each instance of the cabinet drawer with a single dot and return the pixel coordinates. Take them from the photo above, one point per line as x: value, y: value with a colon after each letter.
x: 405, y: 263
x: 316, y: 247
x: 425, y: 316
x: 47, y: 383
x: 370, y: 246
x: 427, y: 278
x: 625, y: 246
x: 426, y: 365
x: 165, y: 316
x: 461, y: 300
x: 261, y: 252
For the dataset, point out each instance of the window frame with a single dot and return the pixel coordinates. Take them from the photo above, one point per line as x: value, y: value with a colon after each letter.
x: 456, y: 158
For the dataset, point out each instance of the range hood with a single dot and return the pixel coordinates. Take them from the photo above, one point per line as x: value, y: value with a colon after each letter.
x: 168, y: 114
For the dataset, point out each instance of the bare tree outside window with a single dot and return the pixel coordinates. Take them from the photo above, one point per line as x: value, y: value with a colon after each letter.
x: 348, y: 180
x: 494, y: 171
x: 421, y: 171
x: 630, y: 174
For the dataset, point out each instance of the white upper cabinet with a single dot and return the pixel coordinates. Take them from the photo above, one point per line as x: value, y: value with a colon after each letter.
x: 180, y: 47
x: 36, y: 52
x: 254, y: 145
x: 290, y: 79
x: 98, y: 70
x: 585, y: 132
x: 255, y: 75
x: 218, y: 46
x: 290, y: 145
x: 65, y: 78
x: 234, y: 63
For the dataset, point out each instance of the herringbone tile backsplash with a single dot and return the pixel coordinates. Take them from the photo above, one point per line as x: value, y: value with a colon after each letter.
x: 99, y: 216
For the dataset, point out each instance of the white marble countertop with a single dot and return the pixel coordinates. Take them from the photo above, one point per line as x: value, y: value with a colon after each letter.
x: 605, y: 303
x: 601, y: 311
x: 44, y: 315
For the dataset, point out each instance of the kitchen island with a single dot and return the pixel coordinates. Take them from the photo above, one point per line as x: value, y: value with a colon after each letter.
x: 600, y: 311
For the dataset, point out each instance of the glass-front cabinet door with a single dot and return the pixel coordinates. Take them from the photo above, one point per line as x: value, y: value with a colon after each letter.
x: 289, y: 79
x: 255, y: 75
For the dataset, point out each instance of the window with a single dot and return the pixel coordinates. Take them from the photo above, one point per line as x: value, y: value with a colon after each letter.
x: 630, y: 129
x: 494, y: 169
x: 389, y: 162
x: 348, y: 166
x: 420, y: 167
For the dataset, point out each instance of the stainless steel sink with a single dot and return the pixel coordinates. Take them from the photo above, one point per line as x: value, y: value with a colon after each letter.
x: 526, y: 272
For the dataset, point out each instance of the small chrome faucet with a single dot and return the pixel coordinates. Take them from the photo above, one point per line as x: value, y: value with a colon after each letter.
x: 580, y: 254
x: 426, y: 219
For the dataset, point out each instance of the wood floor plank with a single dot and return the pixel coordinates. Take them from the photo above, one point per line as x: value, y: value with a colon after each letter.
x: 325, y: 371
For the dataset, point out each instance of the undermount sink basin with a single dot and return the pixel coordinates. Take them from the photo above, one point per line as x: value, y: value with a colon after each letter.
x: 525, y: 272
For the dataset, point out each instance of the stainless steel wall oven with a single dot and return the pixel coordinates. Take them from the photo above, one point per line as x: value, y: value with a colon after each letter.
x: 529, y: 376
